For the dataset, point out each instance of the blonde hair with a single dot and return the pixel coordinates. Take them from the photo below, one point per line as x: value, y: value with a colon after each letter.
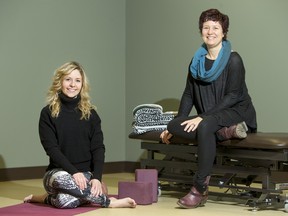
x: 53, y: 99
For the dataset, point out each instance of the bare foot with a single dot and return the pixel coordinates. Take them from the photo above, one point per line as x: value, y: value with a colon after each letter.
x: 28, y: 198
x: 35, y: 198
x: 122, y: 203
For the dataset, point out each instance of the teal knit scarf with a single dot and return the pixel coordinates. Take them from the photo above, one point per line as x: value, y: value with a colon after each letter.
x: 197, y: 68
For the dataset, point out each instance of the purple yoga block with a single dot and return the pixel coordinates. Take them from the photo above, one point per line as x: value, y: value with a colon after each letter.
x: 141, y: 192
x: 148, y: 175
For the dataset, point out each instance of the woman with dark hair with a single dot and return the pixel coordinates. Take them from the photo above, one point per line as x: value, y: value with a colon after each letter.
x: 216, y: 87
x: 70, y: 132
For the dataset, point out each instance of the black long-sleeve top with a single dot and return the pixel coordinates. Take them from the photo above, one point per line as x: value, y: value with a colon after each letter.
x: 226, y: 98
x: 72, y: 144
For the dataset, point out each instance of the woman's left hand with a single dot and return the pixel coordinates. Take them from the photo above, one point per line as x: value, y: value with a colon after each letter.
x: 192, y: 124
x: 166, y: 136
x: 96, y: 187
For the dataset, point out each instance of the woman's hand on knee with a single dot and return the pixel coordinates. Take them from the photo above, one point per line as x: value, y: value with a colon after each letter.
x: 166, y: 136
x: 80, y: 180
x: 96, y: 187
x: 191, y: 124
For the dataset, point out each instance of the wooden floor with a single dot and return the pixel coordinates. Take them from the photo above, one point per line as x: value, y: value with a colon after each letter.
x: 12, y: 192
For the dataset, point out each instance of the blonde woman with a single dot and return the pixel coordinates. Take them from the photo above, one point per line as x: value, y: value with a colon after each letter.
x: 71, y: 135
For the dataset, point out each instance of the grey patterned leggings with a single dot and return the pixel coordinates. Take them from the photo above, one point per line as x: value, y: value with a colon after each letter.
x: 64, y: 193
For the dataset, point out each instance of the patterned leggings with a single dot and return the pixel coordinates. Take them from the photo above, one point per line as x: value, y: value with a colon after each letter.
x: 64, y: 193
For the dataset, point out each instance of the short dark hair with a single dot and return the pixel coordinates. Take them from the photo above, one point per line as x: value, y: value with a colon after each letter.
x: 216, y: 16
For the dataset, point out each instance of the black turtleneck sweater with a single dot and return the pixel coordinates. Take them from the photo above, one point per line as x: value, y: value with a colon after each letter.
x: 72, y: 144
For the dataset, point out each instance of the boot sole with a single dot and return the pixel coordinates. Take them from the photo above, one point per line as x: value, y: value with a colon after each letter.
x: 191, y: 207
x: 187, y: 207
x: 241, y: 130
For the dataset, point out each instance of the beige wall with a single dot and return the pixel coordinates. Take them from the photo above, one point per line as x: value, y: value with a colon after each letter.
x: 134, y: 51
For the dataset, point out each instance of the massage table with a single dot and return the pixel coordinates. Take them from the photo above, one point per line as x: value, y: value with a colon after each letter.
x: 253, y: 169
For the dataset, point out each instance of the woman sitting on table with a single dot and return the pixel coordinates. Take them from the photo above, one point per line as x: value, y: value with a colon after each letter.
x: 216, y: 87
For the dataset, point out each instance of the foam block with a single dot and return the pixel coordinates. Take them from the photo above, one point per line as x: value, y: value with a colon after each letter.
x: 141, y: 192
x: 148, y: 175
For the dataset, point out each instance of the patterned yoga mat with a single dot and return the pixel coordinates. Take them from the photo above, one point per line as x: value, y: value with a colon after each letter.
x: 35, y: 209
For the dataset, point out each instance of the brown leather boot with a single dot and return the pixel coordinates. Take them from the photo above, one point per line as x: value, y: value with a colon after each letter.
x: 194, y: 198
x: 233, y: 132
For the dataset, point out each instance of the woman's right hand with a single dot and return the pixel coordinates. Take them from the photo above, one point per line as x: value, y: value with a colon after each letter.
x: 166, y: 136
x: 80, y: 180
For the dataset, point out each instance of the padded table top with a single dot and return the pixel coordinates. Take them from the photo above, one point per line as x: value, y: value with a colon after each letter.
x: 258, y: 140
